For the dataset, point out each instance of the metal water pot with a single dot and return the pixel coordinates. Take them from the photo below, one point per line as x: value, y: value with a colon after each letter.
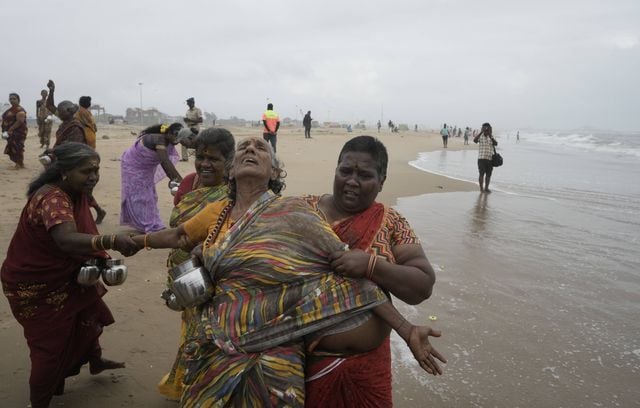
x: 115, y: 272
x: 173, y: 186
x: 191, y: 283
x: 89, y: 273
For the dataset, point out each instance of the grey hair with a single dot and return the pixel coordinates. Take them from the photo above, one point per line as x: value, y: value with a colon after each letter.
x: 276, y: 185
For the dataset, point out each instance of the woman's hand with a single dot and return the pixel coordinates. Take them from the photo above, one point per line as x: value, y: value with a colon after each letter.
x: 422, y: 349
x: 125, y: 245
x: 352, y: 263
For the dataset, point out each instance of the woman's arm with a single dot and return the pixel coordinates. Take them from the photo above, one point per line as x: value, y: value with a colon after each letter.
x: 166, y: 164
x: 410, y: 279
x: 21, y: 117
x: 371, y: 334
x: 72, y: 242
x: 51, y: 105
x: 166, y: 238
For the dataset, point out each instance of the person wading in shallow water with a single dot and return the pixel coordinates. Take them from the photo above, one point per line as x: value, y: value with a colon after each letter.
x: 485, y: 142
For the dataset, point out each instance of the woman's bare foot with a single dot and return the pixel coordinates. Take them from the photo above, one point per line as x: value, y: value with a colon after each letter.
x: 422, y: 349
x: 100, y: 215
x: 98, y: 365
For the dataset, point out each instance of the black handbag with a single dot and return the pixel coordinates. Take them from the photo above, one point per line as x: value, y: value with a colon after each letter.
x: 496, y: 159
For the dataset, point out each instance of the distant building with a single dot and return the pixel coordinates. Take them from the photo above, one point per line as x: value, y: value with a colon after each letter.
x: 149, y: 117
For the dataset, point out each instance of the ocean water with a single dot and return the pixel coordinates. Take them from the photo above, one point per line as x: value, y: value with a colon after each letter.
x: 538, y: 283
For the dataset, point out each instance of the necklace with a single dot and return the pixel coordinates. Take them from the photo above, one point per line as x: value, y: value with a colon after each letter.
x: 213, y: 235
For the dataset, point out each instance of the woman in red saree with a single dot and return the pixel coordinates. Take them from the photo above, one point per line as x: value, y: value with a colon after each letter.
x: 214, y: 151
x: 369, y: 228
x: 14, y: 123
x: 56, y: 234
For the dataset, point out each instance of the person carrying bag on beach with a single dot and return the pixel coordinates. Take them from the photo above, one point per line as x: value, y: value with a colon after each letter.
x: 485, y: 142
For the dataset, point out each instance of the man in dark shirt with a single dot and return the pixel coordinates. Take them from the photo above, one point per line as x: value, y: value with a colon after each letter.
x: 306, y: 122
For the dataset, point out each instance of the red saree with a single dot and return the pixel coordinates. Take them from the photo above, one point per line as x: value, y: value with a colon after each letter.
x: 15, y: 142
x: 62, y: 320
x: 362, y: 380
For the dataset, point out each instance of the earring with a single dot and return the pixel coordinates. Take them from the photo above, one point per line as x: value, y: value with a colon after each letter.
x: 64, y: 177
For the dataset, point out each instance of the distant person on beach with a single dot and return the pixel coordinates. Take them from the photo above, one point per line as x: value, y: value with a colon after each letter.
x: 306, y: 122
x: 415, y: 128
x: 379, y: 126
x: 485, y: 142
x: 271, y: 123
x: 444, y: 132
x: 44, y: 121
x: 62, y: 321
x: 14, y: 131
x: 193, y: 119
x: 70, y: 130
x: 85, y: 117
x: 390, y: 124
x: 459, y: 132
x: 518, y: 136
x: 466, y: 135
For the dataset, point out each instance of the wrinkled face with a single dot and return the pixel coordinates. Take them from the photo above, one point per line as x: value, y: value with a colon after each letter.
x: 66, y: 110
x: 84, y: 177
x: 13, y: 100
x: 209, y: 166
x: 356, y: 183
x: 253, y: 160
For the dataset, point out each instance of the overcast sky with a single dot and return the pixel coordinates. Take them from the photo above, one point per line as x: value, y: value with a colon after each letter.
x: 517, y: 64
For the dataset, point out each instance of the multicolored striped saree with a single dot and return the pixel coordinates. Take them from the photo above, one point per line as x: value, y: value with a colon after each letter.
x: 274, y: 289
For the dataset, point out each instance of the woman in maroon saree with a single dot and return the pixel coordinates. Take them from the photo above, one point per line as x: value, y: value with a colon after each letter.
x: 56, y: 234
x: 14, y: 123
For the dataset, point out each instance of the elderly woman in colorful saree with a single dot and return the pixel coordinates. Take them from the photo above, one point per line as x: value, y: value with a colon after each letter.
x: 214, y: 150
x: 151, y: 158
x: 370, y: 229
x: 14, y: 129
x: 275, y: 292
x: 56, y: 234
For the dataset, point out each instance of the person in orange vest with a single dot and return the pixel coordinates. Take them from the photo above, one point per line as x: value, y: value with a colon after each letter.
x: 271, y: 122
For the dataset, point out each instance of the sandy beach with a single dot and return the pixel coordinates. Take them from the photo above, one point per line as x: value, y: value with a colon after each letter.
x: 145, y: 334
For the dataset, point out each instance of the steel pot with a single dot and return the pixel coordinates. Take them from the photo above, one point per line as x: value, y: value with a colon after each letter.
x: 115, y: 272
x: 170, y: 300
x: 88, y: 274
x: 191, y: 284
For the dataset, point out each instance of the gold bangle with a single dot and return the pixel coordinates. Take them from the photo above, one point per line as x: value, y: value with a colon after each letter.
x: 146, y: 246
x: 102, y: 242
x: 113, y: 241
x: 93, y: 242
x: 372, y: 266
